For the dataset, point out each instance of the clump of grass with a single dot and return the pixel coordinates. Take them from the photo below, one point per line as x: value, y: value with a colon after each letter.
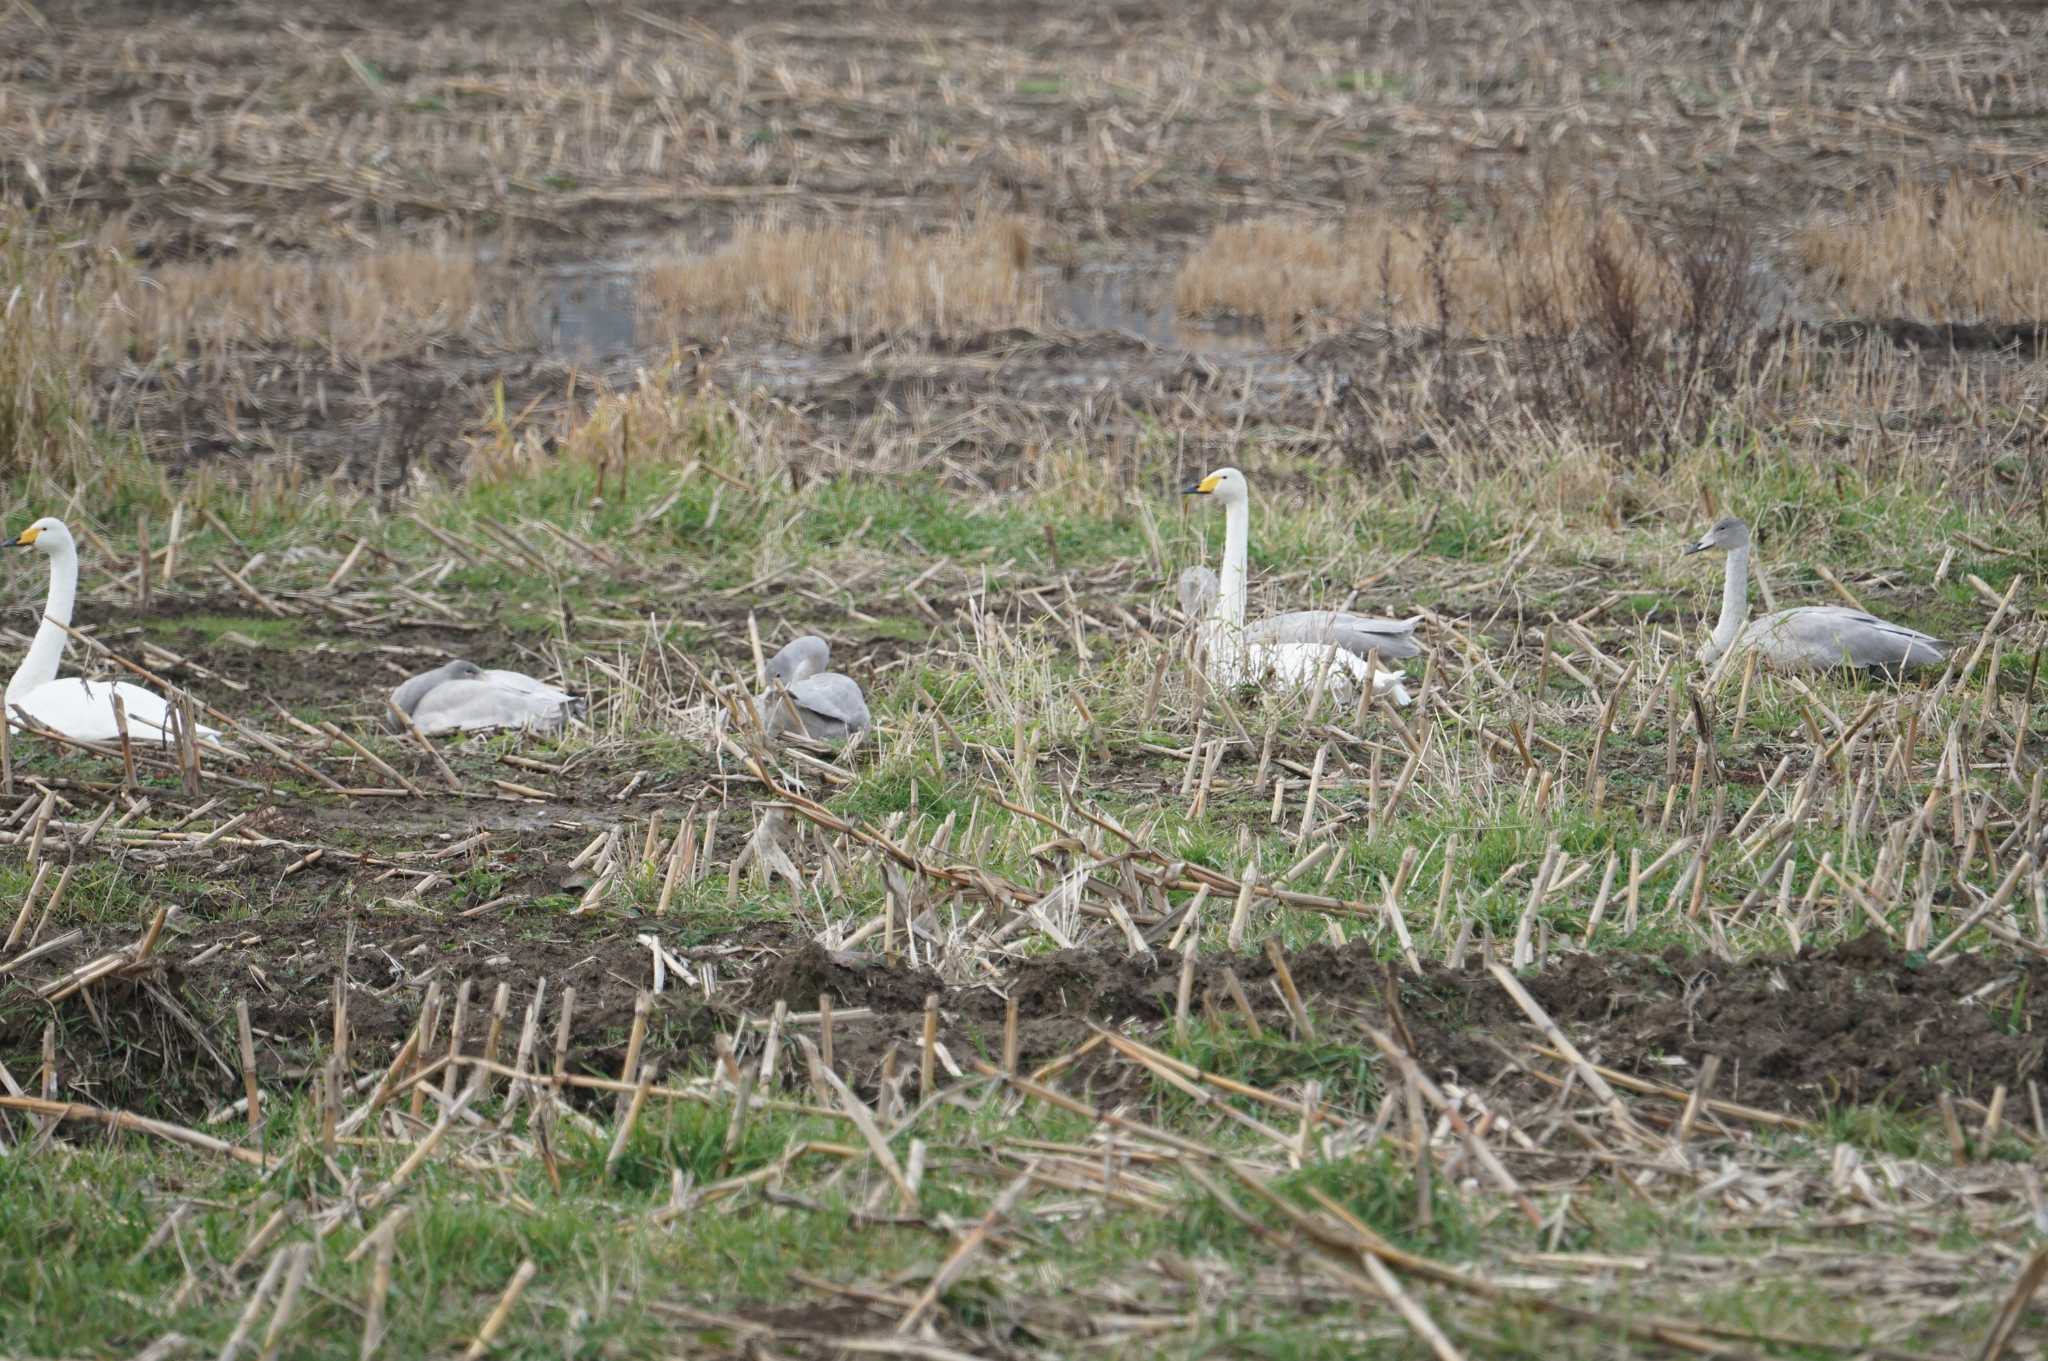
x: 1418, y: 270
x: 1967, y: 250
x: 369, y: 307
x: 1630, y: 334
x: 857, y: 280
x: 1275, y: 1062
x: 45, y: 295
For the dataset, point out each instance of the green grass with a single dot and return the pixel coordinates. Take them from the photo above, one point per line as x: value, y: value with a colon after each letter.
x: 261, y: 632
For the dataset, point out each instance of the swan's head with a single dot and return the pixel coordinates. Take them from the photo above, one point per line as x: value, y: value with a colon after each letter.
x: 1225, y: 484
x: 1728, y: 534
x: 460, y: 670
x: 48, y: 534
x: 807, y: 656
x: 1197, y: 591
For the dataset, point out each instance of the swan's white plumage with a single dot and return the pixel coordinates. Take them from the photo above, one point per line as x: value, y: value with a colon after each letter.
x: 84, y: 710
x: 71, y: 706
x: 1297, y: 666
x: 1361, y: 635
x: 1235, y: 653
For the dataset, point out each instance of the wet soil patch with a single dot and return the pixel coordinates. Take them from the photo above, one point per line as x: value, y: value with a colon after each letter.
x: 371, y: 424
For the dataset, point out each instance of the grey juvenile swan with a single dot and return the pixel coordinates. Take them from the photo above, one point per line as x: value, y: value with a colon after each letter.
x: 824, y: 705
x: 464, y: 697
x: 1807, y: 637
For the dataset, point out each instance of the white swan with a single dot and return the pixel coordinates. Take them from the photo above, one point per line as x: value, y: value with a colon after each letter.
x: 461, y: 696
x: 74, y: 707
x: 828, y: 706
x: 1290, y: 650
x: 1808, y: 637
x: 1359, y: 634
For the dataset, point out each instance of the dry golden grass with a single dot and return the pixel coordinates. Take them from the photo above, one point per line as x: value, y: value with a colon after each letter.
x: 1964, y: 251
x: 43, y: 346
x: 368, y: 307
x: 858, y: 280
x: 1408, y: 271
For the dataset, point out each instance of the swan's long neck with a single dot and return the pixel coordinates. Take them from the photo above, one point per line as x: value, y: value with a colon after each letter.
x: 1222, y: 633
x: 408, y: 696
x: 1237, y: 533
x: 1734, y: 601
x: 39, y: 667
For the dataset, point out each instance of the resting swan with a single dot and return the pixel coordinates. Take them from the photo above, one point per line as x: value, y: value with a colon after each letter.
x: 1290, y: 649
x: 1359, y: 634
x: 1808, y: 637
x: 74, y: 707
x: 464, y: 697
x: 828, y: 706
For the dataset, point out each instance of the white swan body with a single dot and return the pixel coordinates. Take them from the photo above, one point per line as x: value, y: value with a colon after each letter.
x: 73, y: 707
x: 1361, y: 635
x: 1806, y: 637
x: 463, y: 697
x: 828, y: 706
x: 1292, y: 654
x: 1296, y: 666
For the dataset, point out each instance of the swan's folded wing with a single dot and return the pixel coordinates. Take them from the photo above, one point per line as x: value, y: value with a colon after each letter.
x: 1834, y: 635
x: 484, y: 705
x: 527, y: 685
x: 834, y: 698
x: 1358, y: 634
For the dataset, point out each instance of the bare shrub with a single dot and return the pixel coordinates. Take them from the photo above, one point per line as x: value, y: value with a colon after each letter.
x: 1967, y: 250
x: 1633, y: 338
x: 1627, y: 335
x: 857, y: 280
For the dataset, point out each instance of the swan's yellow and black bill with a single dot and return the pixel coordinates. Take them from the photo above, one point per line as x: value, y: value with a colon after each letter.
x: 1202, y: 488
x: 28, y: 536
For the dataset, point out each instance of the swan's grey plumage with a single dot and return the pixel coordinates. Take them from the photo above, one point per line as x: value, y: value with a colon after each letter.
x: 1807, y: 637
x: 828, y: 706
x: 1234, y: 653
x: 1359, y: 634
x: 461, y: 696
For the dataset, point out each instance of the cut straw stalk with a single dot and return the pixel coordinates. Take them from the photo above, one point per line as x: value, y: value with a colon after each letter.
x: 500, y: 1312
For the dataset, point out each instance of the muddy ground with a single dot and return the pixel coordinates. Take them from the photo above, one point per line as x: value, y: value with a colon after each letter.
x: 1851, y: 1026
